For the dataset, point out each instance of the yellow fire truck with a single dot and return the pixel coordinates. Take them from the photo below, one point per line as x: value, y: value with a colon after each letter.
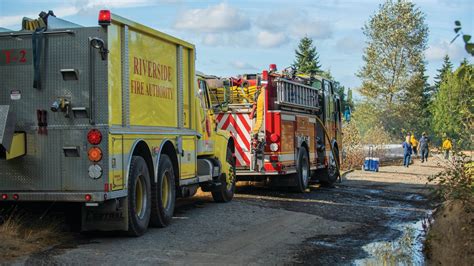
x: 110, y: 117
x: 287, y: 127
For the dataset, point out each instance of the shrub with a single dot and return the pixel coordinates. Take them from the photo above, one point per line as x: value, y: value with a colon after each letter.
x: 455, y: 182
x: 352, y: 147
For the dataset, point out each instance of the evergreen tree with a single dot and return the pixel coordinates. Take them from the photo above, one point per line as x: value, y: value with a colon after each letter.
x: 417, y: 100
x: 307, y: 59
x: 447, y: 67
x: 453, y: 106
x: 326, y: 74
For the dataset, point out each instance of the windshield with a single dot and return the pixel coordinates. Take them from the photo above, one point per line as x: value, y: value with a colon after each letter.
x: 317, y: 84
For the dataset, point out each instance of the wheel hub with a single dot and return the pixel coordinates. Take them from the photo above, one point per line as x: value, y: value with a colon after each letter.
x: 230, y: 177
x: 165, y: 187
x: 305, y: 172
x: 141, y: 197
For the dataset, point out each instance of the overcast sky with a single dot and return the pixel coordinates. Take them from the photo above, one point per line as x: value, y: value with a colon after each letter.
x: 234, y: 37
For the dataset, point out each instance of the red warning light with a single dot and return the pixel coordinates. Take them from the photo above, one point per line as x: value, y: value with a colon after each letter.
x: 273, y: 67
x: 104, y: 17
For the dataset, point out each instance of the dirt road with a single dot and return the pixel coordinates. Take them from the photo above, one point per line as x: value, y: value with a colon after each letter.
x: 362, y: 220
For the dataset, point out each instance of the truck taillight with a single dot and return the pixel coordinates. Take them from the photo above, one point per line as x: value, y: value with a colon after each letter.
x: 4, y: 196
x: 16, y: 197
x: 104, y: 18
x: 88, y: 197
x: 274, y: 142
x: 274, y: 137
x: 94, y: 137
x: 95, y: 154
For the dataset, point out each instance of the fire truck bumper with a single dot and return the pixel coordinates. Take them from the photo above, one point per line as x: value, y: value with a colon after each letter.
x: 253, y: 173
x: 82, y: 196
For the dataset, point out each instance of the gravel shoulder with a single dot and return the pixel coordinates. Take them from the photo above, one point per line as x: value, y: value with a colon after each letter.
x: 268, y: 226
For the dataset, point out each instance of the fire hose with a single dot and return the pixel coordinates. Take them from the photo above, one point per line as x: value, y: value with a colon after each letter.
x: 332, y: 150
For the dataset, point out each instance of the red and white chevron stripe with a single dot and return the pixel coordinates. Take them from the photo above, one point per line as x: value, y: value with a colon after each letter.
x: 239, y: 125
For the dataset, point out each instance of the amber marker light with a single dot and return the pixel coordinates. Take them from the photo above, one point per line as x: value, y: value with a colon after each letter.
x: 95, y: 154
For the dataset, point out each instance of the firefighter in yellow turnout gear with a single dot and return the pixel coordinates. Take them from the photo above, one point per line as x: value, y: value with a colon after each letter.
x: 258, y: 110
x: 447, y: 146
x: 414, y: 143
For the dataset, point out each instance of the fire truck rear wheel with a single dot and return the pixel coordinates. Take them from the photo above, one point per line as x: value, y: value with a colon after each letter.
x: 303, y: 174
x: 163, y: 194
x: 330, y: 175
x: 226, y: 191
x: 139, y: 197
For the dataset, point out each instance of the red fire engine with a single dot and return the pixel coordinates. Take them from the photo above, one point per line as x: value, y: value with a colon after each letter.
x: 287, y: 127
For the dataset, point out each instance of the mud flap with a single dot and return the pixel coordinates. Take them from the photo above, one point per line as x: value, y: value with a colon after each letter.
x: 111, y: 215
x: 17, y: 148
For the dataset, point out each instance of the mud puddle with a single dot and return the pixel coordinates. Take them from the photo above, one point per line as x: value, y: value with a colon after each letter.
x: 404, y: 250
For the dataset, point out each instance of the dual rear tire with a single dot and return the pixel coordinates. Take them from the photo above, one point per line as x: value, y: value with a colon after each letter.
x: 329, y: 175
x: 163, y: 194
x: 150, y: 203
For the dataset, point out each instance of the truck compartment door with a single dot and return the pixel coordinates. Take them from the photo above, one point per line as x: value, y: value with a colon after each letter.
x: 188, y: 157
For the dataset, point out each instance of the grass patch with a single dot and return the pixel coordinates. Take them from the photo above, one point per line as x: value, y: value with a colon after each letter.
x: 22, y: 233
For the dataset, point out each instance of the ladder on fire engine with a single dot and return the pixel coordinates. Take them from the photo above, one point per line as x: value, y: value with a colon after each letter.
x: 296, y: 95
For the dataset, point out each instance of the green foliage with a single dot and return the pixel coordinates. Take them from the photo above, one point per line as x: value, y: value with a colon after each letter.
x: 397, y: 36
x: 370, y: 114
x: 453, y: 106
x: 364, y: 115
x: 394, y: 84
x: 469, y: 46
x: 456, y: 181
x: 417, y: 100
x: 350, y: 102
x: 326, y: 74
x: 447, y: 67
x: 307, y: 59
